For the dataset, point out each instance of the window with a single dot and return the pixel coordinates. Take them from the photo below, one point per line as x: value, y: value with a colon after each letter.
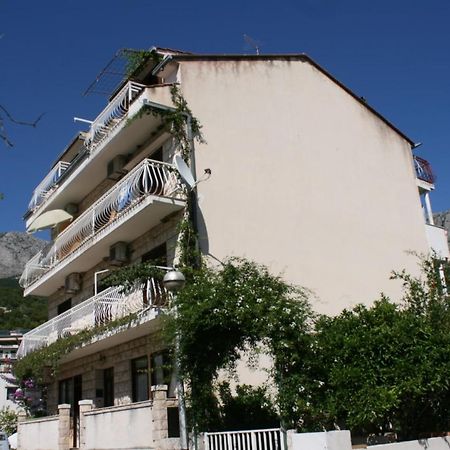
x: 157, y: 255
x: 154, y: 293
x: 162, y: 371
x: 108, y: 386
x: 139, y: 379
x: 173, y: 422
x: 64, y: 306
x: 65, y: 391
x: 10, y: 391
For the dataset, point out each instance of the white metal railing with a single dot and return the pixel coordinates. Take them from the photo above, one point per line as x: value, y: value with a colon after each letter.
x: 270, y: 439
x: 112, y: 115
x: 47, y: 185
x: 147, y: 178
x: 100, y: 309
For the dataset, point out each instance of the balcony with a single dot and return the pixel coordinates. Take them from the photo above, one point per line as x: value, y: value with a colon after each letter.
x: 138, y: 202
x: 47, y: 185
x: 423, y: 170
x: 110, y: 304
x: 438, y: 240
x: 110, y: 134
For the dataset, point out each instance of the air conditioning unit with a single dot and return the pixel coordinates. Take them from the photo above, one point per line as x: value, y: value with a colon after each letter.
x: 118, y: 253
x: 115, y: 168
x: 72, y: 284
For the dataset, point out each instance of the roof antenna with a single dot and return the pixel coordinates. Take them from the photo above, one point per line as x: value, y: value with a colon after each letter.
x: 252, y: 43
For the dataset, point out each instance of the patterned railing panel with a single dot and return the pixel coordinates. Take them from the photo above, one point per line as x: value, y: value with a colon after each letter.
x: 423, y: 170
x: 47, y: 185
x: 112, y: 115
x: 110, y: 304
x: 148, y: 178
x: 270, y: 439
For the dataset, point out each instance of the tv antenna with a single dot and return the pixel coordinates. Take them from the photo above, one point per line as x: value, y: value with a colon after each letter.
x: 252, y: 43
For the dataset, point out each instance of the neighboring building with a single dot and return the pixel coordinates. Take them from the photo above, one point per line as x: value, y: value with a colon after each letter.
x: 9, y: 344
x: 307, y: 178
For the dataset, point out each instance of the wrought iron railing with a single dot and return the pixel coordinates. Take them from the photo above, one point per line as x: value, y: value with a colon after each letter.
x: 110, y: 304
x: 147, y: 178
x: 270, y: 439
x: 112, y: 115
x: 423, y: 170
x: 47, y: 185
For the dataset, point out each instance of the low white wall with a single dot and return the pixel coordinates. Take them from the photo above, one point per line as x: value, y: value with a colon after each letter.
x: 439, y: 443
x: 119, y: 427
x: 329, y: 440
x: 39, y: 434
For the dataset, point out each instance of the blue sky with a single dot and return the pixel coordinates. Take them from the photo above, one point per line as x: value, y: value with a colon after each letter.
x: 394, y: 53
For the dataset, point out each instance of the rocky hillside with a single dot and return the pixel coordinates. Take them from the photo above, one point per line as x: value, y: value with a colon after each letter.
x: 442, y: 219
x: 15, y: 250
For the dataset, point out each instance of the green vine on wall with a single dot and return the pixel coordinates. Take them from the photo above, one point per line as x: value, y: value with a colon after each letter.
x: 176, y: 121
x: 136, y: 59
x: 44, y: 362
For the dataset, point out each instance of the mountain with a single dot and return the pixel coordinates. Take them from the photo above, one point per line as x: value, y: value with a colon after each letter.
x: 15, y: 250
x: 442, y: 219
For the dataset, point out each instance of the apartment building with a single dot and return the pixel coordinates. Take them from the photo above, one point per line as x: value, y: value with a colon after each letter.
x: 9, y: 344
x: 306, y: 177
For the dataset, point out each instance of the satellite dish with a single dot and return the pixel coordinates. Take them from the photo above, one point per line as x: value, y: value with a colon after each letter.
x: 184, y: 171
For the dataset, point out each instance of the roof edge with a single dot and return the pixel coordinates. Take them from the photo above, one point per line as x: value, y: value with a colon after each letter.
x: 300, y: 57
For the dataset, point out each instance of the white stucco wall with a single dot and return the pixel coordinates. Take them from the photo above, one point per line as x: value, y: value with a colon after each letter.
x: 304, y: 179
x: 329, y: 440
x: 120, y: 427
x: 4, y: 401
x: 439, y: 443
x: 39, y: 434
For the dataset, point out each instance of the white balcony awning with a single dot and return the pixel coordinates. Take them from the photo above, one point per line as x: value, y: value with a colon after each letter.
x: 49, y: 219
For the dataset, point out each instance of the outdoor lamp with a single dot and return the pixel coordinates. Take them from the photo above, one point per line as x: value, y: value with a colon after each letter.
x: 174, y: 280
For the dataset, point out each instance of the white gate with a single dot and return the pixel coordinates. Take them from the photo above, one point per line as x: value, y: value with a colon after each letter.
x: 270, y: 439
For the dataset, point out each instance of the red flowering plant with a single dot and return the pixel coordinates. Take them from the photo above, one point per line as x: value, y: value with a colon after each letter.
x: 30, y: 397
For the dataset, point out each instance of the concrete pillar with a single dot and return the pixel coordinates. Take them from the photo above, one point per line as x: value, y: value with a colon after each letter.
x: 64, y: 436
x: 85, y: 406
x: 159, y: 415
x: 21, y: 417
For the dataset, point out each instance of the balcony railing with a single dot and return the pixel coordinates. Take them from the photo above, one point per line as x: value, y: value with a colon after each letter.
x: 112, y: 115
x: 149, y: 178
x: 423, y: 170
x: 47, y: 185
x: 98, y: 310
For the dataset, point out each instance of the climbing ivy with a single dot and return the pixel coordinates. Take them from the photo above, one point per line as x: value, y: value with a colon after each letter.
x: 222, y: 312
x: 45, y: 361
x: 136, y: 59
x: 176, y: 121
x: 129, y: 276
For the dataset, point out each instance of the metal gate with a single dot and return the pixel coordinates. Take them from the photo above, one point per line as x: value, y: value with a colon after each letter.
x: 270, y: 439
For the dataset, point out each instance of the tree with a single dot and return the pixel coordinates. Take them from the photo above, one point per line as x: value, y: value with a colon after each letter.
x: 222, y: 312
x: 381, y: 368
x: 8, y: 421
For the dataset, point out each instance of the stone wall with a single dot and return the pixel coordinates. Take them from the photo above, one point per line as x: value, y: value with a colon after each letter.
x: 119, y: 357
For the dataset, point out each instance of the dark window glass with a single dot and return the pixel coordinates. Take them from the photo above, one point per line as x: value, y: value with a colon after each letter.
x: 64, y: 306
x: 108, y: 386
x: 157, y: 155
x: 162, y: 371
x: 157, y: 255
x: 139, y: 377
x: 173, y: 422
x: 65, y: 391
